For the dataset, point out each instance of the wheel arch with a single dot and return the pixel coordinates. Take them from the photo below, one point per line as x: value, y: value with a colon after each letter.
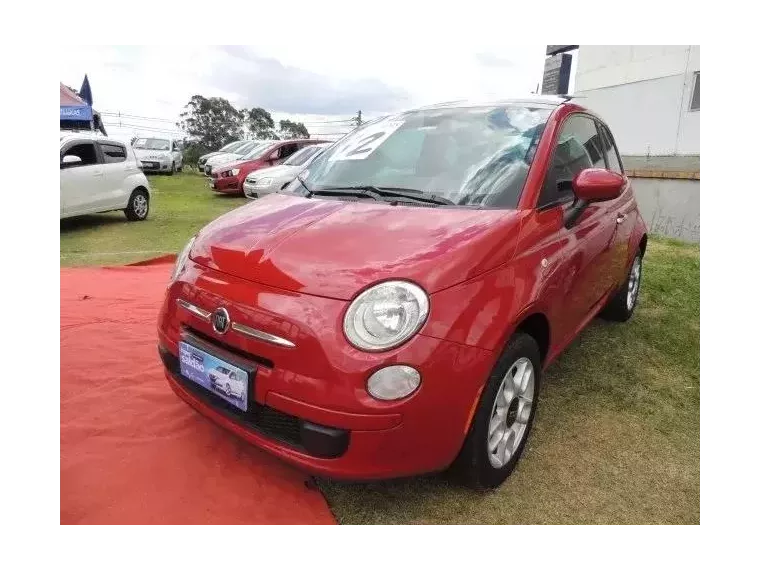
x: 537, y: 326
x: 643, y: 244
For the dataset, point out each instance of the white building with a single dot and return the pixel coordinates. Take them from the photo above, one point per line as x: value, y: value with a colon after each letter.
x: 649, y: 95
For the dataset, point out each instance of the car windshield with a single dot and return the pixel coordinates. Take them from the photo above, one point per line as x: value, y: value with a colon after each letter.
x: 258, y: 151
x: 245, y: 148
x: 470, y: 156
x: 152, y: 144
x: 303, y: 155
x: 232, y: 146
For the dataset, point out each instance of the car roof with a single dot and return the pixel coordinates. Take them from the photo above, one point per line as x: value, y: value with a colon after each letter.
x: 547, y: 101
x: 88, y: 135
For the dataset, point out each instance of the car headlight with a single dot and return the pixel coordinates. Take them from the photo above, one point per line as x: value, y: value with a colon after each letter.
x: 263, y: 182
x: 385, y: 315
x: 182, y: 258
x: 234, y: 172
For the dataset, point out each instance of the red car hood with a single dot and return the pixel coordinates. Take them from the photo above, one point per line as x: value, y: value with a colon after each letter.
x: 334, y: 249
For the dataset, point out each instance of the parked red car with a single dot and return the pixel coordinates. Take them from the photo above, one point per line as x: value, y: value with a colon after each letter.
x: 394, y: 310
x: 229, y: 178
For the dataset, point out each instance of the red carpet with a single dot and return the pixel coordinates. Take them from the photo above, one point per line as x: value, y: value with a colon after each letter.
x: 131, y: 451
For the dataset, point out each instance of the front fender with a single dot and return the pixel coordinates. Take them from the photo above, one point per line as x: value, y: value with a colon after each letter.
x: 485, y: 311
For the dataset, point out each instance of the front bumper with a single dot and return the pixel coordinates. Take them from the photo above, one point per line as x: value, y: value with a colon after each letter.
x: 253, y: 191
x: 319, y: 386
x: 155, y: 166
x: 228, y: 185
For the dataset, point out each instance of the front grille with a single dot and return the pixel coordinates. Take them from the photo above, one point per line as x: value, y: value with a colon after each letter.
x: 263, y: 419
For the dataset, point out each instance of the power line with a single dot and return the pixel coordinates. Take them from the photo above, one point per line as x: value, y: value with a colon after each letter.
x: 128, y: 116
x: 144, y: 128
x: 174, y: 121
x: 328, y: 122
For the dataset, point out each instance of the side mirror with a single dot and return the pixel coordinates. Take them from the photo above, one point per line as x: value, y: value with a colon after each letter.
x: 70, y: 159
x: 597, y: 185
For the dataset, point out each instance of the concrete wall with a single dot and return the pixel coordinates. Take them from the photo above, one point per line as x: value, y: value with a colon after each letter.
x: 644, y: 93
x: 669, y: 207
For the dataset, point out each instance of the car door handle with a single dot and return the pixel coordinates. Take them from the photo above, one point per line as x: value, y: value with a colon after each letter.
x: 621, y: 218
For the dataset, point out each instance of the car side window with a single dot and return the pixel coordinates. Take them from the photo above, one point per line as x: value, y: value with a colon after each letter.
x: 578, y: 147
x: 287, y: 150
x: 86, y: 153
x: 610, y: 149
x: 113, y: 153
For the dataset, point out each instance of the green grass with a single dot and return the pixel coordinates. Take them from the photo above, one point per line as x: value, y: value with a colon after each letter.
x: 181, y: 205
x: 616, y: 438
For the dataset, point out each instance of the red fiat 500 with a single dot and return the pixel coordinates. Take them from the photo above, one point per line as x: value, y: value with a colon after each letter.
x: 392, y: 312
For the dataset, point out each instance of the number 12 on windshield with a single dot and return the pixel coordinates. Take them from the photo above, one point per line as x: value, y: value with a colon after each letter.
x: 371, y: 137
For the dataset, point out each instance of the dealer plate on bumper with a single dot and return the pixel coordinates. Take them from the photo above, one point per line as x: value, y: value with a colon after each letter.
x: 222, y: 378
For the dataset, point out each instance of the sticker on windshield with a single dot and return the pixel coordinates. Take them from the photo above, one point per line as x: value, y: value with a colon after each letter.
x: 362, y: 146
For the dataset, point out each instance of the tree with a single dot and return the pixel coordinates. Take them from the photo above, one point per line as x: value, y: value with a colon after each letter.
x: 260, y: 123
x: 293, y: 130
x: 212, y: 122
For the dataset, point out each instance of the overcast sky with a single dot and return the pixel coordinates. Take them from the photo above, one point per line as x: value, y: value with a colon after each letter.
x: 305, y: 80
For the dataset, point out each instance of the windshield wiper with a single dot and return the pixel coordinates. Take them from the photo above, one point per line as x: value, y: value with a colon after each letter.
x: 378, y: 193
x: 413, y: 194
x: 359, y: 191
x: 303, y: 183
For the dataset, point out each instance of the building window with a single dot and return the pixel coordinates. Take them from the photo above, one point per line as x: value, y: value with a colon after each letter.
x: 695, y: 93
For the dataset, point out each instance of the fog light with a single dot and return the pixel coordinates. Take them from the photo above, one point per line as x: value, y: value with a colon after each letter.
x: 393, y: 382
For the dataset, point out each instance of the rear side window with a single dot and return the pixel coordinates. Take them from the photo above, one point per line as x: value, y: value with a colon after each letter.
x: 578, y: 147
x: 113, y: 152
x: 288, y: 149
x: 613, y: 158
x: 85, y: 151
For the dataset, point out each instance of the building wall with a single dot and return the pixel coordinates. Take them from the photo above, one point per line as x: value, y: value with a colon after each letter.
x: 669, y: 207
x: 644, y: 93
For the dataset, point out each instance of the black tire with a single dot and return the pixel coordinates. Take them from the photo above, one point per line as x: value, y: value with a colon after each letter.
x: 134, y: 210
x: 227, y: 390
x: 618, y: 308
x: 172, y: 170
x: 473, y: 464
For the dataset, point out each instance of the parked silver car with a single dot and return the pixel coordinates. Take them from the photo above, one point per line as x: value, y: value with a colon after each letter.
x: 162, y: 154
x: 273, y: 179
x: 231, y: 147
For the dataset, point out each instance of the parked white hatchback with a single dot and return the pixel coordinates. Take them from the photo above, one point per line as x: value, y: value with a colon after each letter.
x: 99, y: 174
x: 159, y: 154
